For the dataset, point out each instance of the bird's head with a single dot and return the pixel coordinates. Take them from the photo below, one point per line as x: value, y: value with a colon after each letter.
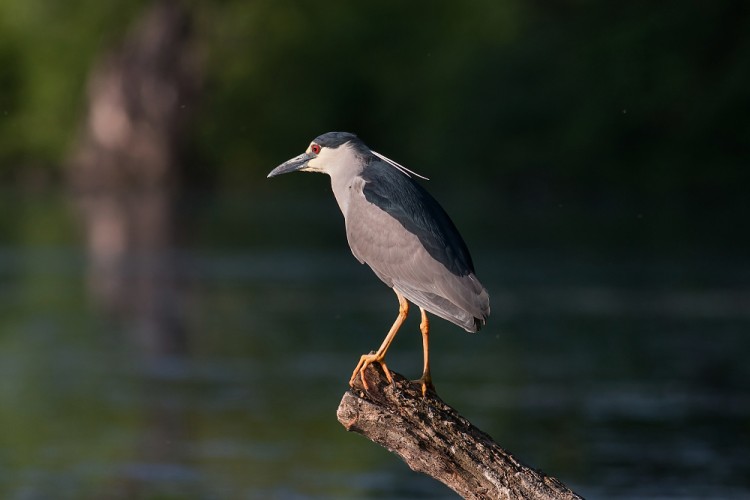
x: 326, y: 154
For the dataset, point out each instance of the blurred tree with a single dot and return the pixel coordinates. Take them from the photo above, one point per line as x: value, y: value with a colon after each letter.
x: 46, y: 49
x: 126, y: 167
x: 577, y: 101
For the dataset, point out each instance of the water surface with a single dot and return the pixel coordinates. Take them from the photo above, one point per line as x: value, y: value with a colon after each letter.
x: 622, y: 373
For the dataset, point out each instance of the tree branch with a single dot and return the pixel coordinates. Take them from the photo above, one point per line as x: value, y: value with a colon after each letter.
x: 432, y: 438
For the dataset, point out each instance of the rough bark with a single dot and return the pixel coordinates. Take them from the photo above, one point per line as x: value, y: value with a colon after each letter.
x: 432, y: 438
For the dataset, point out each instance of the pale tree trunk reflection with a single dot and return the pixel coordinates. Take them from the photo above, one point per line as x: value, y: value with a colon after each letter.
x: 125, y: 174
x: 124, y: 177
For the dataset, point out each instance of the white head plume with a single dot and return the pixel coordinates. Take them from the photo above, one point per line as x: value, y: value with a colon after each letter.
x: 398, y: 166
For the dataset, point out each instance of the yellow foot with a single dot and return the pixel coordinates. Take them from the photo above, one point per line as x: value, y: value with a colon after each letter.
x: 426, y: 382
x: 364, y: 361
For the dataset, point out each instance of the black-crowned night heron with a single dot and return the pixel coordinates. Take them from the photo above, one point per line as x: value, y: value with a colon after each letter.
x: 394, y: 226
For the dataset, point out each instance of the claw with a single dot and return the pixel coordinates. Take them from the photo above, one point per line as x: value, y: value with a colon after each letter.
x: 379, y: 356
x: 426, y: 383
x: 364, y: 361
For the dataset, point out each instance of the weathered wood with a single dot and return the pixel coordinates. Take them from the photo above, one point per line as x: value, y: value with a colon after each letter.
x: 432, y: 438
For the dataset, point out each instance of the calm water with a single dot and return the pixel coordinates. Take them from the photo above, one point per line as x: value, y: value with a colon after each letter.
x: 624, y: 374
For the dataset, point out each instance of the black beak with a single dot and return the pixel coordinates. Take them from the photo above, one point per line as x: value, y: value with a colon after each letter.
x: 293, y: 165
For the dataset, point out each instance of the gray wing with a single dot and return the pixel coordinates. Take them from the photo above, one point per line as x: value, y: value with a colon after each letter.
x: 399, y: 256
x: 415, y: 209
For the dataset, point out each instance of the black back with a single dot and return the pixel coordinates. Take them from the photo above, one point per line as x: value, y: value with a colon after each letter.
x: 412, y: 206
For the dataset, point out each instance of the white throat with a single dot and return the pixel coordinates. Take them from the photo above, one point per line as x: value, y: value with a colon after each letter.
x: 343, y: 165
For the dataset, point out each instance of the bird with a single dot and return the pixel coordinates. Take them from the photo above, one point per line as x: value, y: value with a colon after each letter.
x: 401, y: 232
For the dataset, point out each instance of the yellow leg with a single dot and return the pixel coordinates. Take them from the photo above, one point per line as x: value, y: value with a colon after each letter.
x: 379, y: 356
x: 426, y: 380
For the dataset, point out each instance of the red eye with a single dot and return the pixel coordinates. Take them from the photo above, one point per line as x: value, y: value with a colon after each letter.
x: 315, y: 148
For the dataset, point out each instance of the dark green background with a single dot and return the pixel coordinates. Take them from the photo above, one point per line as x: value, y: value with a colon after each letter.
x: 594, y: 156
x: 606, y: 106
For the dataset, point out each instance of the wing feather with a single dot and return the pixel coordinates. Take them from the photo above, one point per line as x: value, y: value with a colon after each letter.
x: 431, y: 270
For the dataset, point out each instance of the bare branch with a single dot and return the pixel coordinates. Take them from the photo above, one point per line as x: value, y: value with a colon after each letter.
x: 432, y: 438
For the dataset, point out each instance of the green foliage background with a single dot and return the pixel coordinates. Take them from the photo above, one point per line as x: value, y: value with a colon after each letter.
x: 595, y: 155
x: 634, y: 102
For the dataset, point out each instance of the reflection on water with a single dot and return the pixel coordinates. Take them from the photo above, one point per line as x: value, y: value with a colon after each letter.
x: 626, y: 378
